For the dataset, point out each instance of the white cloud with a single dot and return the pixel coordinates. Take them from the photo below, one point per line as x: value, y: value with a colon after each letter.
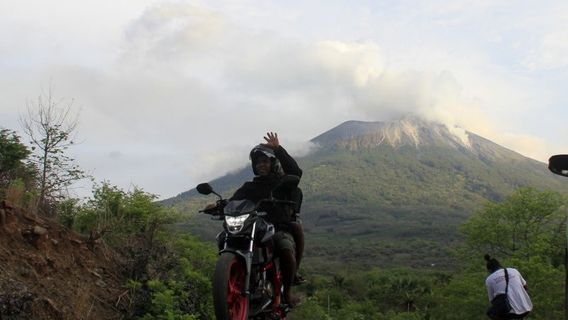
x: 172, y: 33
x: 545, y: 37
x: 551, y: 52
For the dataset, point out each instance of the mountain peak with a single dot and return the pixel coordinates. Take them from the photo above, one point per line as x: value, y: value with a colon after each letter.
x: 408, y: 130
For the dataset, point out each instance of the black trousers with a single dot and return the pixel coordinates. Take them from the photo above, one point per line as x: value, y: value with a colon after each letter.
x: 493, y: 315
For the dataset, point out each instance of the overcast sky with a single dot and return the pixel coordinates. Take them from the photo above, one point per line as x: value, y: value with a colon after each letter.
x: 173, y: 93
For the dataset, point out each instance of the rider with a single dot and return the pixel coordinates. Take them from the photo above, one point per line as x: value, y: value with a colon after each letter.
x: 270, y: 162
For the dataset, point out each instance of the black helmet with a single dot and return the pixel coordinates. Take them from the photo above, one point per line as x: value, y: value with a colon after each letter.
x: 264, y: 151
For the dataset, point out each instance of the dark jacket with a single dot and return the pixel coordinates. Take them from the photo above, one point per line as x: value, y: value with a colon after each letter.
x: 259, y: 188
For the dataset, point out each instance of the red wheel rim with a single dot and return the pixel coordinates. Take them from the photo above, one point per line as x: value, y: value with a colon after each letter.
x: 237, y: 302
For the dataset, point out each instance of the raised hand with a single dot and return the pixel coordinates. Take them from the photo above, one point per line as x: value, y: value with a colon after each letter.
x: 271, y: 140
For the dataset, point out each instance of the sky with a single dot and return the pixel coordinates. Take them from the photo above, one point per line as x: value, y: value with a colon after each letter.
x: 169, y: 94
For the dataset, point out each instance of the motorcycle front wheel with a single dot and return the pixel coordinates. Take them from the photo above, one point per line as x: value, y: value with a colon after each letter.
x: 228, y: 284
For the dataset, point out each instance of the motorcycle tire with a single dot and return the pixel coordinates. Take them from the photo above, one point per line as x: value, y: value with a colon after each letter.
x: 228, y: 284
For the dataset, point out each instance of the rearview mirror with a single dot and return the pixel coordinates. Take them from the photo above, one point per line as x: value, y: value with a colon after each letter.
x: 204, y: 188
x: 558, y: 164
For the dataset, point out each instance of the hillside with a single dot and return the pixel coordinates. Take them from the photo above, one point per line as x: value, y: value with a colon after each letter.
x: 50, y: 272
x: 392, y: 193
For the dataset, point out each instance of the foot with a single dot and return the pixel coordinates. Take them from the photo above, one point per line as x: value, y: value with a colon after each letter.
x: 298, y: 280
x: 292, y: 301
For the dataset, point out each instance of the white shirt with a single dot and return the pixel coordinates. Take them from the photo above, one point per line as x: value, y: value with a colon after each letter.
x: 518, y: 296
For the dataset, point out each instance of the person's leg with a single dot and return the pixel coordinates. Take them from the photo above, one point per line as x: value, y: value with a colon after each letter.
x: 288, y: 267
x: 298, y: 233
x: 285, y: 246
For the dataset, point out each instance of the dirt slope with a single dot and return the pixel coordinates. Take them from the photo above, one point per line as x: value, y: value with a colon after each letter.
x: 50, y: 272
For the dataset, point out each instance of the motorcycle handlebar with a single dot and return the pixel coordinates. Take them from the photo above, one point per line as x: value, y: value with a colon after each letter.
x: 217, y: 210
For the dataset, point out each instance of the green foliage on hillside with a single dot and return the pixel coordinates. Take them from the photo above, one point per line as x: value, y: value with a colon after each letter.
x: 411, y: 294
x: 400, y: 205
x: 170, y: 274
x: 17, y: 175
x: 184, y: 292
x: 528, y: 223
x: 411, y: 176
x: 12, y: 156
x: 460, y: 294
x: 118, y: 214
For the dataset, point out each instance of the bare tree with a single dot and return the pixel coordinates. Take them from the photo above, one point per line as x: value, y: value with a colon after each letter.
x: 50, y: 125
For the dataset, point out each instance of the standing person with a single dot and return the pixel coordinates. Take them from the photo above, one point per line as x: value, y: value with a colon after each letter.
x: 270, y: 162
x: 507, y: 281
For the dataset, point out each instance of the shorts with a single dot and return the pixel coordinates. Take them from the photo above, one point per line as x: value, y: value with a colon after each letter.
x: 284, y: 241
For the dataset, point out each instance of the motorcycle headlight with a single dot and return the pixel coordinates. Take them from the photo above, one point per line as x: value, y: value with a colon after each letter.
x: 235, y: 224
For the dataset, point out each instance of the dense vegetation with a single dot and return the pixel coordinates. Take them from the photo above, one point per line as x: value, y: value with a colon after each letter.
x: 526, y: 231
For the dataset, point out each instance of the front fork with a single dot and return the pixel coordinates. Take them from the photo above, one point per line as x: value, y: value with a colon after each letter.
x: 248, y: 260
x: 247, y: 257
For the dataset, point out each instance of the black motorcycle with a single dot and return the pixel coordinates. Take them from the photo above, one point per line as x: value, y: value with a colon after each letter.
x: 247, y: 283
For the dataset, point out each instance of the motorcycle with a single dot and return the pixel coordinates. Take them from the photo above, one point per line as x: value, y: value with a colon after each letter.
x: 247, y: 283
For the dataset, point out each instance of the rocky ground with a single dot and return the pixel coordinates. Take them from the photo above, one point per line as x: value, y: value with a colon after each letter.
x: 50, y: 272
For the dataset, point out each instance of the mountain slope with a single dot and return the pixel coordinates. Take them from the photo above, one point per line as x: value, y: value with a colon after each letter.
x: 50, y: 272
x: 393, y: 193
x: 393, y: 158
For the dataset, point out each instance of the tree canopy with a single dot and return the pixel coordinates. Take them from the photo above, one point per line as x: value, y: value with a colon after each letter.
x: 12, y: 155
x: 528, y: 223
